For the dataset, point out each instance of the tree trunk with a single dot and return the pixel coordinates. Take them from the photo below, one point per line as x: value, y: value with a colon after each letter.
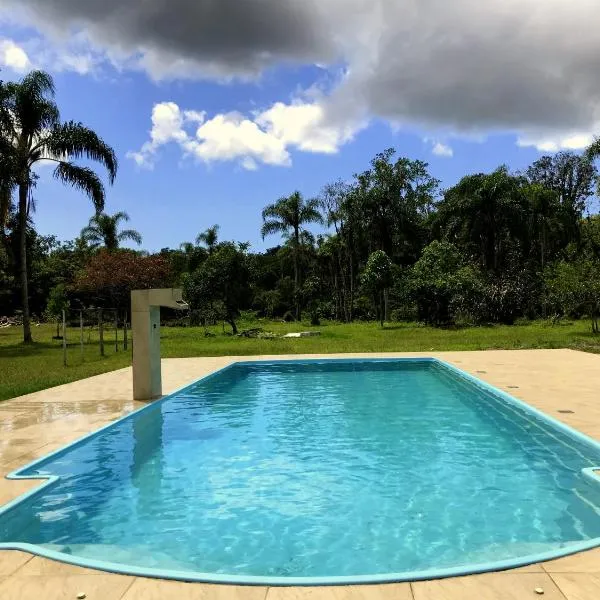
x: 543, y: 256
x: 337, y: 295
x: 381, y: 309
x: 101, y: 331
x: 234, y: 328
x: 125, y: 331
x: 23, y: 192
x: 351, y: 299
x: 386, y: 304
x: 296, y: 273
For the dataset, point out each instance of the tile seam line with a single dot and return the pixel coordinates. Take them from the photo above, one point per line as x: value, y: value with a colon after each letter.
x: 126, y: 591
x: 31, y: 557
x: 557, y: 586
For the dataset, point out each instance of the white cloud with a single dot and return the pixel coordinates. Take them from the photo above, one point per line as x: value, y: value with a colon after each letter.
x: 77, y: 56
x: 266, y: 138
x: 565, y: 141
x: 13, y: 56
x: 440, y: 149
x: 304, y: 126
x: 82, y: 64
x: 466, y: 66
x: 231, y: 136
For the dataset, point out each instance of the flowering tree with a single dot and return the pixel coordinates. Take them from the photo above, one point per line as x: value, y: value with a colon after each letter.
x: 109, y: 277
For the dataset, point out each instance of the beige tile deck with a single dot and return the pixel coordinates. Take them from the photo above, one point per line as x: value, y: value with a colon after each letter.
x: 33, y: 425
x: 59, y: 587
x: 11, y: 561
x: 492, y: 586
x: 152, y: 589
x: 577, y: 586
x: 395, y: 591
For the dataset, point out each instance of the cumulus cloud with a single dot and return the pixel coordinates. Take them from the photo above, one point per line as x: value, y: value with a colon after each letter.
x: 13, y: 56
x: 527, y: 66
x: 265, y: 138
x: 440, y: 149
x: 192, y: 37
x: 564, y: 141
x: 36, y: 52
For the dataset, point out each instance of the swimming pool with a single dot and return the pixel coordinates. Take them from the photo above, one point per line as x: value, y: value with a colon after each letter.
x: 308, y: 472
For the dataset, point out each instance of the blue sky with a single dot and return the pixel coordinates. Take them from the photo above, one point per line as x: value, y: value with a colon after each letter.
x: 264, y: 127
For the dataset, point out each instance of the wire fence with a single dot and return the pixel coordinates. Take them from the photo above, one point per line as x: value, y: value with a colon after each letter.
x: 87, y: 334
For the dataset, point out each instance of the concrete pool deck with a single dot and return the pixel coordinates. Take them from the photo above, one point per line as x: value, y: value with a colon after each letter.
x: 31, y: 426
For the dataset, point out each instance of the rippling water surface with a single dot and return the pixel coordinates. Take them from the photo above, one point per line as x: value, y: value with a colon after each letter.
x: 317, y: 469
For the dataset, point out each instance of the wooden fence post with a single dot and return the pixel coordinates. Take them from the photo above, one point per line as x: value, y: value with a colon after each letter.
x: 81, y: 333
x: 64, y: 338
x: 101, y: 330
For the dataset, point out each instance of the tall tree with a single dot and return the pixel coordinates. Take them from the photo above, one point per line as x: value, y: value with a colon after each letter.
x: 209, y: 237
x: 545, y: 223
x: 376, y: 278
x: 7, y: 171
x: 573, y: 178
x: 288, y: 216
x: 222, y: 278
x: 103, y: 230
x: 32, y: 132
x: 484, y: 213
x: 394, y: 197
x: 109, y: 277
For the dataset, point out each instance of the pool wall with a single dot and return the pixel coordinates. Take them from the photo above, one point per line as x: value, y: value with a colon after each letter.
x: 592, y: 473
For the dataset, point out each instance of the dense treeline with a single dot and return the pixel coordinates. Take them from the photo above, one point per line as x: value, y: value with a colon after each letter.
x: 388, y: 244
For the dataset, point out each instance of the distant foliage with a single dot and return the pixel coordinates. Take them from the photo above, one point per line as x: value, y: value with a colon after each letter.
x: 221, y: 279
x: 376, y: 278
x: 574, y: 288
x: 386, y: 244
x: 444, y: 286
x: 109, y: 277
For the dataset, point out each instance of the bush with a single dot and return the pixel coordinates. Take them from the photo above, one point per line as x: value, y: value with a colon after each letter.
x: 574, y: 288
x: 443, y: 287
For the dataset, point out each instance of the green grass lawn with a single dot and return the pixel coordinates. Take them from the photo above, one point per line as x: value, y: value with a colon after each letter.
x: 25, y: 369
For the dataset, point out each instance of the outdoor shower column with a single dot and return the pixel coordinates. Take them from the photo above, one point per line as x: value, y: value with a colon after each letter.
x: 145, y: 329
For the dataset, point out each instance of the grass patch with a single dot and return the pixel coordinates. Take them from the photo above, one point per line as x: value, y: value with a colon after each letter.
x: 25, y: 369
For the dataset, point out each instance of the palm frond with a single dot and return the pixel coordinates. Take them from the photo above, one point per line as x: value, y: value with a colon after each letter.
x: 120, y: 216
x: 272, y: 226
x: 276, y: 210
x: 74, y: 140
x: 130, y: 234
x: 92, y: 235
x: 39, y: 83
x: 32, y: 103
x: 83, y: 179
x: 6, y: 192
x: 209, y: 236
x: 310, y: 211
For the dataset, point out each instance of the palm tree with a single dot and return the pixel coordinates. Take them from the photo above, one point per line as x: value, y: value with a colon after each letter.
x: 478, y: 209
x: 287, y: 216
x: 209, y: 238
x: 31, y: 132
x: 103, y: 230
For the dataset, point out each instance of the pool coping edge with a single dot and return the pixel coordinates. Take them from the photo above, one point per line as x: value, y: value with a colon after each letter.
x: 484, y: 567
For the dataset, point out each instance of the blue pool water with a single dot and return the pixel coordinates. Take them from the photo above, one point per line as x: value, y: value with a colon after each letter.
x: 315, y: 469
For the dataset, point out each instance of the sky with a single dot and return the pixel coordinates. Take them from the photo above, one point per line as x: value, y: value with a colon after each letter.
x: 216, y: 109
